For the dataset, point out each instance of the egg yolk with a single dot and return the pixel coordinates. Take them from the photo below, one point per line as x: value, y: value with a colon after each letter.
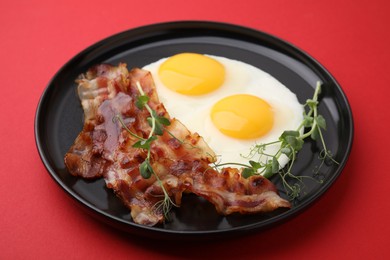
x: 192, y: 74
x: 242, y: 116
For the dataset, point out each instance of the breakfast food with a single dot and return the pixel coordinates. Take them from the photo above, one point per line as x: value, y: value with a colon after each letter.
x: 120, y: 142
x: 231, y: 104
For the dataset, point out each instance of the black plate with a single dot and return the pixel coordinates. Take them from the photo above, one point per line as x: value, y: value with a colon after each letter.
x: 59, y: 120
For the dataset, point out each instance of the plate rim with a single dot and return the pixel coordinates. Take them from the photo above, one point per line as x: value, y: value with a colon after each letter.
x: 139, y: 229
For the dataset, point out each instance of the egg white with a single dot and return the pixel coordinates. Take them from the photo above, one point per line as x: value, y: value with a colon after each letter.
x: 240, y: 78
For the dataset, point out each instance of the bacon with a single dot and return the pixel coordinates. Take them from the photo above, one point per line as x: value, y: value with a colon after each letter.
x: 180, y: 159
x: 100, y: 83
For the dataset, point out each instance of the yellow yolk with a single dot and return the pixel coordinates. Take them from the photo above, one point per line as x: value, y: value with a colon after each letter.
x: 192, y: 74
x: 242, y: 116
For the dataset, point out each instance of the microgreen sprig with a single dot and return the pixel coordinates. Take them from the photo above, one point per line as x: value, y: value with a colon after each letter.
x: 157, y: 124
x: 290, y: 142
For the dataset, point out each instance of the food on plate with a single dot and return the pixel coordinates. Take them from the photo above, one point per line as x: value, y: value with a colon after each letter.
x: 231, y: 104
x: 148, y: 157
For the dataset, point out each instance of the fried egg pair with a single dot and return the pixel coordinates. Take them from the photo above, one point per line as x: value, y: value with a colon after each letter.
x: 231, y: 104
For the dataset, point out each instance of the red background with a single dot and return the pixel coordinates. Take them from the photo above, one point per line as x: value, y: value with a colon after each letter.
x: 350, y: 38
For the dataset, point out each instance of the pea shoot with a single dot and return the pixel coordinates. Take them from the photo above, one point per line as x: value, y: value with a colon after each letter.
x: 291, y: 142
x: 157, y: 124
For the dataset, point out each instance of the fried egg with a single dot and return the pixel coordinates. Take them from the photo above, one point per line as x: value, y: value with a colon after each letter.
x: 231, y: 104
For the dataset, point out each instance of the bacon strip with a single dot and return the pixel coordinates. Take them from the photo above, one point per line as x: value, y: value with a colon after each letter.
x: 179, y: 158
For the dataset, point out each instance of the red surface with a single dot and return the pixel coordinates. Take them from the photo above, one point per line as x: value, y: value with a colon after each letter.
x: 350, y: 38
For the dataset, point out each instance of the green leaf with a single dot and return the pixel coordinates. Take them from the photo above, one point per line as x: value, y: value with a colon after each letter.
x: 141, y: 101
x: 275, y: 165
x: 287, y: 151
x: 298, y: 145
x: 146, y: 169
x: 154, y: 114
x: 315, y: 134
x: 160, y: 119
x: 163, y: 120
x: 255, y: 165
x: 287, y: 133
x: 247, y: 172
x: 145, y: 144
x: 268, y: 170
x: 291, y: 138
x: 321, y: 122
x: 295, y: 143
x: 141, y: 144
x: 308, y: 121
x: 158, y: 129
